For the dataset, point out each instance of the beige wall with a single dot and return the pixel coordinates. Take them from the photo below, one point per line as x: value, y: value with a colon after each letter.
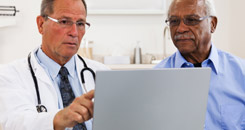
x: 229, y: 33
x: 221, y: 37
x: 120, y: 33
x: 237, y: 20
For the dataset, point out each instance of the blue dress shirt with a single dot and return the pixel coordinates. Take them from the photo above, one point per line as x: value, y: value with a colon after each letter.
x: 226, y: 100
x: 52, y: 69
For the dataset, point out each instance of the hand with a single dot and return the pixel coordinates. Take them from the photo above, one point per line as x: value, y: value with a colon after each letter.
x: 80, y: 110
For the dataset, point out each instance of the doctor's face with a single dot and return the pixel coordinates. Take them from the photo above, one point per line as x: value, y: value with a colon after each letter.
x: 59, y: 41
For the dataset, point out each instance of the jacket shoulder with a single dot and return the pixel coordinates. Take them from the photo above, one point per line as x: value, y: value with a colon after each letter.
x: 14, y: 66
x: 13, y: 72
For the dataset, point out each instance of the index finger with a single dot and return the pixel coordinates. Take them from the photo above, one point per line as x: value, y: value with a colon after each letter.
x: 89, y: 95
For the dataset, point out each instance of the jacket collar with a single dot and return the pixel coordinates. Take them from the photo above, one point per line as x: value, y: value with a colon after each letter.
x: 38, y: 69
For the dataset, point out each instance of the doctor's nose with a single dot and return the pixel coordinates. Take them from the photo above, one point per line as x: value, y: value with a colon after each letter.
x: 73, y: 31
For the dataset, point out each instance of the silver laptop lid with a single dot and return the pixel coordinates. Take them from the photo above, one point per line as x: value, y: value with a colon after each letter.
x: 157, y: 99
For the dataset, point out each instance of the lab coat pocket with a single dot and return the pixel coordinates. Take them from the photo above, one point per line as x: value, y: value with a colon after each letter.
x: 233, y: 117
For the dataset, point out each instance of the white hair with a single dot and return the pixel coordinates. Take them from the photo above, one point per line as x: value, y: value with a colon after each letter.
x: 210, y: 8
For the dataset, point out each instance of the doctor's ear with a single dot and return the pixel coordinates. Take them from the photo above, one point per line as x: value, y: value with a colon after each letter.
x: 40, y: 21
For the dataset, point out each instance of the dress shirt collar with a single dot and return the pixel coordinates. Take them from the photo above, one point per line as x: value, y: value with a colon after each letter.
x: 180, y: 61
x: 213, y: 58
x: 53, y: 67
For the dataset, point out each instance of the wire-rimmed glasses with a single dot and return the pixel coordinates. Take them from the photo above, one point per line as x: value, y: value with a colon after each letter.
x: 189, y: 20
x: 66, y: 23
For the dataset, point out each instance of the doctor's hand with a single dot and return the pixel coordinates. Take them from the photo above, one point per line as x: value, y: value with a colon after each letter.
x: 80, y: 110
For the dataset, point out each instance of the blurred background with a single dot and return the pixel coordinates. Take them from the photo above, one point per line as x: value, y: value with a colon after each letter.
x: 120, y: 30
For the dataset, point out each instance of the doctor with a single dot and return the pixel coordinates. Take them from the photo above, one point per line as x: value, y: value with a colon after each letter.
x: 58, y: 100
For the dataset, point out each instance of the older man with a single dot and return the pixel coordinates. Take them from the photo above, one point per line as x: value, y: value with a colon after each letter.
x: 44, y: 91
x: 192, y: 23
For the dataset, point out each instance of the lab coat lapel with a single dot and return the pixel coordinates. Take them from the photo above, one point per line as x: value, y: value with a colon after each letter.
x: 49, y: 99
x: 39, y: 71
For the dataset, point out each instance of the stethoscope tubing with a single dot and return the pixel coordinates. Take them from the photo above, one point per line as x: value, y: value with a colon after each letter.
x: 42, y: 108
x: 34, y: 79
x: 84, y: 69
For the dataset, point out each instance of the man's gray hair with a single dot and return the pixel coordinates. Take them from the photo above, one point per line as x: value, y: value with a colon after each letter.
x: 210, y: 8
x: 47, y: 7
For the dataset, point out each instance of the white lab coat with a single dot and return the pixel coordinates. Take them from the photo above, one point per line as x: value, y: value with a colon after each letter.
x: 18, y: 98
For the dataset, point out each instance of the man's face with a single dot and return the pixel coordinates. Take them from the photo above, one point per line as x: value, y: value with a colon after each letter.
x: 190, y: 38
x: 60, y: 42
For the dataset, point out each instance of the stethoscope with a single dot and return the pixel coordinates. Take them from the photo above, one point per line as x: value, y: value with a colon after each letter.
x: 42, y: 108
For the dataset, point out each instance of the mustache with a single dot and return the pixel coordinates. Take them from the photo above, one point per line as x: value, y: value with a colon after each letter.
x: 184, y: 36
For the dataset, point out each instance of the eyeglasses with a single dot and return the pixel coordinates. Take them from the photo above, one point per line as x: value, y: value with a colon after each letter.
x: 189, y: 20
x: 66, y: 23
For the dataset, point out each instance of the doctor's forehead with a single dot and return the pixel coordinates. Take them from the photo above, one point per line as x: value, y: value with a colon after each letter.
x: 75, y: 7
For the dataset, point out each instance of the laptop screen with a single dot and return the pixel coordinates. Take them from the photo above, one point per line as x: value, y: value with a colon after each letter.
x: 155, y: 99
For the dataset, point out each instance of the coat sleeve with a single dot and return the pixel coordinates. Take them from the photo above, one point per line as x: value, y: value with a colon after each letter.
x: 18, y: 104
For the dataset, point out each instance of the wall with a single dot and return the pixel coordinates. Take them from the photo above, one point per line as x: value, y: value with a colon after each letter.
x: 18, y: 40
x: 118, y: 34
x: 237, y: 18
x: 222, y: 36
x: 229, y: 33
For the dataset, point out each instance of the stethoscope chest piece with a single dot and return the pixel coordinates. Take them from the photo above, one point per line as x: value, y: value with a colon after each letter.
x: 41, y: 108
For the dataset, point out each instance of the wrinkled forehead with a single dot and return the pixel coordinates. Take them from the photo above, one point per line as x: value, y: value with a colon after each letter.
x: 69, y: 6
x: 187, y: 7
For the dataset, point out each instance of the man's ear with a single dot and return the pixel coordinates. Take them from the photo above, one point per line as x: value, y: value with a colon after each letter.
x: 40, y: 21
x: 214, y: 23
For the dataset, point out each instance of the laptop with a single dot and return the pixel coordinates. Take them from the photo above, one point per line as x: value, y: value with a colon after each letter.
x: 155, y: 99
